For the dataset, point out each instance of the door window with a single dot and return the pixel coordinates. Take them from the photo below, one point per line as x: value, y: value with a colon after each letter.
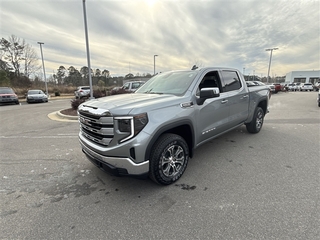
x: 231, y: 81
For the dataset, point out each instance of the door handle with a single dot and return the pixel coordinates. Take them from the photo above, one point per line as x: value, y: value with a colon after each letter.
x: 224, y: 101
x: 244, y: 97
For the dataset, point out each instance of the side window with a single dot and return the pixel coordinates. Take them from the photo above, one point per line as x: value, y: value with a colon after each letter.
x: 135, y: 85
x: 126, y: 86
x: 210, y: 80
x: 231, y: 80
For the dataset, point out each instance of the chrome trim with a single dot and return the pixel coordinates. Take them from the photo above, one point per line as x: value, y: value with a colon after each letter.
x: 96, y: 128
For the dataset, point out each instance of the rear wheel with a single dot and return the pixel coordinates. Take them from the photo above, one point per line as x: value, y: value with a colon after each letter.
x: 169, y: 159
x: 257, y: 121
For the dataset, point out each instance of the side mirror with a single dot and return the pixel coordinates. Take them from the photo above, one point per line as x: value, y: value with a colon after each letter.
x: 206, y: 93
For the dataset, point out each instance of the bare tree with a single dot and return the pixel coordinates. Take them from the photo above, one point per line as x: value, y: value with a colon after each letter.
x: 12, y: 52
x: 19, y: 56
x: 30, y: 61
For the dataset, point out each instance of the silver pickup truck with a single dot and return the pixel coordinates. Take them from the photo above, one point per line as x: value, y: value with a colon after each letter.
x: 154, y: 131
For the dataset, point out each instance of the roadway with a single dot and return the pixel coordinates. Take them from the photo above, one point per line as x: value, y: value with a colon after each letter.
x: 238, y: 186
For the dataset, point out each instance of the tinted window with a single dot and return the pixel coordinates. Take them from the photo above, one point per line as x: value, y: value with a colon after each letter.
x: 231, y: 80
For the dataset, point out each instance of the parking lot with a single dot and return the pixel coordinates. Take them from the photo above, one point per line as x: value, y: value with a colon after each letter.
x: 238, y: 186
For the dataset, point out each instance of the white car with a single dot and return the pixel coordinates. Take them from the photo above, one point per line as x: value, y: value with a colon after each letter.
x: 36, y: 95
x: 291, y: 86
x: 272, y: 88
x: 306, y: 87
x: 82, y: 91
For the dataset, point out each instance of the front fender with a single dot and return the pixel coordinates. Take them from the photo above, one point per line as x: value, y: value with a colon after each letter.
x: 184, y: 128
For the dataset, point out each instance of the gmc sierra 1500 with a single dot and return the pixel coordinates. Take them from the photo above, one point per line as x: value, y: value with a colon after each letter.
x: 154, y: 131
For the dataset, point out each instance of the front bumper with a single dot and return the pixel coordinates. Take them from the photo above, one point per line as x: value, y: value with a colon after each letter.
x: 9, y: 100
x: 116, y: 165
x: 35, y: 100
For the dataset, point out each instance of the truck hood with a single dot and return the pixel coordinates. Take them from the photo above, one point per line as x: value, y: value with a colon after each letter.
x: 134, y: 103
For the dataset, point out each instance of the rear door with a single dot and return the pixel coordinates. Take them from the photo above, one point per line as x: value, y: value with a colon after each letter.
x: 238, y: 97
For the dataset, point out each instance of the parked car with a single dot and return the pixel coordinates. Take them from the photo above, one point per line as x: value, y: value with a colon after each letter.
x: 272, y: 88
x: 277, y: 87
x: 35, y: 95
x: 128, y: 87
x: 7, y: 95
x: 297, y: 86
x: 306, y: 87
x: 291, y: 86
x: 155, y: 130
x: 132, y: 86
x: 82, y: 91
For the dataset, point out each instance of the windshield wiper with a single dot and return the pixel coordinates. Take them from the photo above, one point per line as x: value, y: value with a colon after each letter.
x: 148, y: 91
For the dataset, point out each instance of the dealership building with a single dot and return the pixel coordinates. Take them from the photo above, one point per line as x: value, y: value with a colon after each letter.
x: 303, y: 76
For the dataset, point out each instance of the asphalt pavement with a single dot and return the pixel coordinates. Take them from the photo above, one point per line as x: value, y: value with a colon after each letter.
x: 238, y: 186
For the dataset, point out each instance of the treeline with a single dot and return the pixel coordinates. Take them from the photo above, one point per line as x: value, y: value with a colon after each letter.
x: 20, y: 67
x: 74, y: 77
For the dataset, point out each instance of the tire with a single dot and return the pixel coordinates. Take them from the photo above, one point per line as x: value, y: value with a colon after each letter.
x: 169, y: 159
x: 257, y: 121
x: 318, y: 104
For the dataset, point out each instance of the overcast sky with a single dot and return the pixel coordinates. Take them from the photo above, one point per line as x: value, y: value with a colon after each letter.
x: 124, y: 35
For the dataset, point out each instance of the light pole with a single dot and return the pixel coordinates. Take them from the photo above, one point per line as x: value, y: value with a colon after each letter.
x: 154, y: 64
x: 44, y: 71
x: 87, y: 45
x: 271, y: 50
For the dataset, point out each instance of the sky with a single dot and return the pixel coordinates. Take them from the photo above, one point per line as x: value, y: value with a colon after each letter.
x: 124, y: 35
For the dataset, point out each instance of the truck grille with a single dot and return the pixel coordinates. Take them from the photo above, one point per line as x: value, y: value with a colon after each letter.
x: 96, y: 128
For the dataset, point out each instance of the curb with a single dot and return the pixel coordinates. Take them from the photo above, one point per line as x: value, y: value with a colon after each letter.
x: 66, y: 116
x: 58, y: 116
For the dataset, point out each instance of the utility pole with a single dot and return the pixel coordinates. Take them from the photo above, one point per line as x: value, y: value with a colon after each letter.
x: 44, y: 71
x: 87, y: 45
x: 271, y: 50
x: 154, y: 64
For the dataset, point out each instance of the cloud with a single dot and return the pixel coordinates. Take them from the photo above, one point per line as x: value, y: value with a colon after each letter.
x: 124, y: 35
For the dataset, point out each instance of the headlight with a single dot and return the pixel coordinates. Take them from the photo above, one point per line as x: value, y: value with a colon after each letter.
x: 125, y: 125
x: 140, y: 121
x: 130, y: 126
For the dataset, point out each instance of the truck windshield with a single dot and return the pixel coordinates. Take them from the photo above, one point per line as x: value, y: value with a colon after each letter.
x: 176, y: 83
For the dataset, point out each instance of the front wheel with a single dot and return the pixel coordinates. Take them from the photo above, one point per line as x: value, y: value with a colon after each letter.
x: 257, y: 121
x: 169, y: 159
